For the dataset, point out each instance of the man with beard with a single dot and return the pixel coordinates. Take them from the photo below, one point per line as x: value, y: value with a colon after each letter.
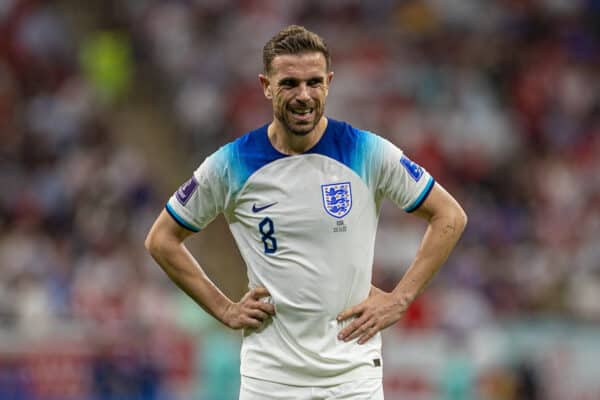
x: 302, y: 196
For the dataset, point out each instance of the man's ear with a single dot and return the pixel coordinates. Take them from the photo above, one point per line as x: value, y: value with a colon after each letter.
x: 329, y: 79
x: 266, y: 85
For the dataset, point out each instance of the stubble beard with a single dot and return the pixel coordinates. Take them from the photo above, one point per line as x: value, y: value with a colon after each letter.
x: 295, y: 128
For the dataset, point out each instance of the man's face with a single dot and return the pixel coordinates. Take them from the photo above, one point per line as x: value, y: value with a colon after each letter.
x: 298, y: 85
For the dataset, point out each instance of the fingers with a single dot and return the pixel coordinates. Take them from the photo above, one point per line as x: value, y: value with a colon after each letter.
x: 266, y: 307
x: 363, y: 328
x: 248, y: 322
x: 356, y: 327
x: 253, y: 311
x: 253, y: 300
x: 349, y: 312
x: 252, y: 318
x: 368, y: 335
x: 258, y: 293
x: 257, y: 314
x: 365, y: 325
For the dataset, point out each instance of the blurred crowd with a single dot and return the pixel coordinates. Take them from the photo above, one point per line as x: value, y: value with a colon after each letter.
x: 499, y: 100
x: 74, y: 208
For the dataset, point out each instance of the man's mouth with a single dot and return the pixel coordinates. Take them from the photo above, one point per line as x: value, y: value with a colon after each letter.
x: 302, y: 113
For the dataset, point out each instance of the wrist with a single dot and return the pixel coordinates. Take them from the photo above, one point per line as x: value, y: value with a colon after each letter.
x: 225, y: 315
x: 403, y: 297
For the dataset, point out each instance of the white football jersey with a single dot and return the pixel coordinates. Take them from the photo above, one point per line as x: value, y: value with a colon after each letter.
x: 305, y: 226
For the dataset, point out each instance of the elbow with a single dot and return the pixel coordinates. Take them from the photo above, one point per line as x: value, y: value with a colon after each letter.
x: 461, y: 219
x: 160, y: 245
x: 454, y: 219
x: 152, y: 244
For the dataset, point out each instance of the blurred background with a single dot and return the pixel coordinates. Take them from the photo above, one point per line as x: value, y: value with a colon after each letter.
x: 106, y: 107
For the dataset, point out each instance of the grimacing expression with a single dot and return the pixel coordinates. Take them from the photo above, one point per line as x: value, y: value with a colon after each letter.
x: 297, y: 86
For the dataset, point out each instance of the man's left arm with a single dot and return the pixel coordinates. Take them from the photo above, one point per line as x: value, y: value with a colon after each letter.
x: 446, y: 222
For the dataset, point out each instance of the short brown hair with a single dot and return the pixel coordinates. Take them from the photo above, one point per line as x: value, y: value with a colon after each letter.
x: 294, y: 39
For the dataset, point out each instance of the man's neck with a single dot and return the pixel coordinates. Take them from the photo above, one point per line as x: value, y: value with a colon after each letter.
x: 287, y: 143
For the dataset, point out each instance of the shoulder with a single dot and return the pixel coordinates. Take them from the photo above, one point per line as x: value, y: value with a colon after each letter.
x: 346, y: 131
x: 237, y: 160
x: 250, y: 142
x: 239, y: 149
x: 348, y: 137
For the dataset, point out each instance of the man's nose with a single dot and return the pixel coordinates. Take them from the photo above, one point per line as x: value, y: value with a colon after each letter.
x: 303, y: 94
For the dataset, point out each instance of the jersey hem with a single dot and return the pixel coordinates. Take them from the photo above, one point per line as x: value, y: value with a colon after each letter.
x: 365, y: 372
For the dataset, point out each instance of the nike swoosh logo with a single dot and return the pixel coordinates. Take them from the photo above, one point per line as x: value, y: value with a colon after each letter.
x: 256, y: 209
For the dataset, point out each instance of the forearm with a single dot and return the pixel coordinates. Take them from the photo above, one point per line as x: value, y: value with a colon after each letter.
x: 440, y: 238
x: 183, y: 269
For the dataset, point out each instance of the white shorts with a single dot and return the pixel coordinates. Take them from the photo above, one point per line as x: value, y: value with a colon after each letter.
x: 257, y: 389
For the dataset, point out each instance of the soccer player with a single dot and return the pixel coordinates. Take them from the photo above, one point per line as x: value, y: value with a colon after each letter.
x: 302, y: 196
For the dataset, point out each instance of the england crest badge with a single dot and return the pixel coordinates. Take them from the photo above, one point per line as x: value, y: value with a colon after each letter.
x: 337, y: 198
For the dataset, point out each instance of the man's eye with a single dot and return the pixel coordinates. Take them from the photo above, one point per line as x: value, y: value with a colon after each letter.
x: 315, y: 82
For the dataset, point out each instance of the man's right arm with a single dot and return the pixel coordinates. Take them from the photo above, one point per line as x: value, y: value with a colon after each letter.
x: 165, y: 244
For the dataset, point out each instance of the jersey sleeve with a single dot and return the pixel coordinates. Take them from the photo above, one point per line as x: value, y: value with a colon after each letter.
x: 401, y: 180
x: 200, y: 199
